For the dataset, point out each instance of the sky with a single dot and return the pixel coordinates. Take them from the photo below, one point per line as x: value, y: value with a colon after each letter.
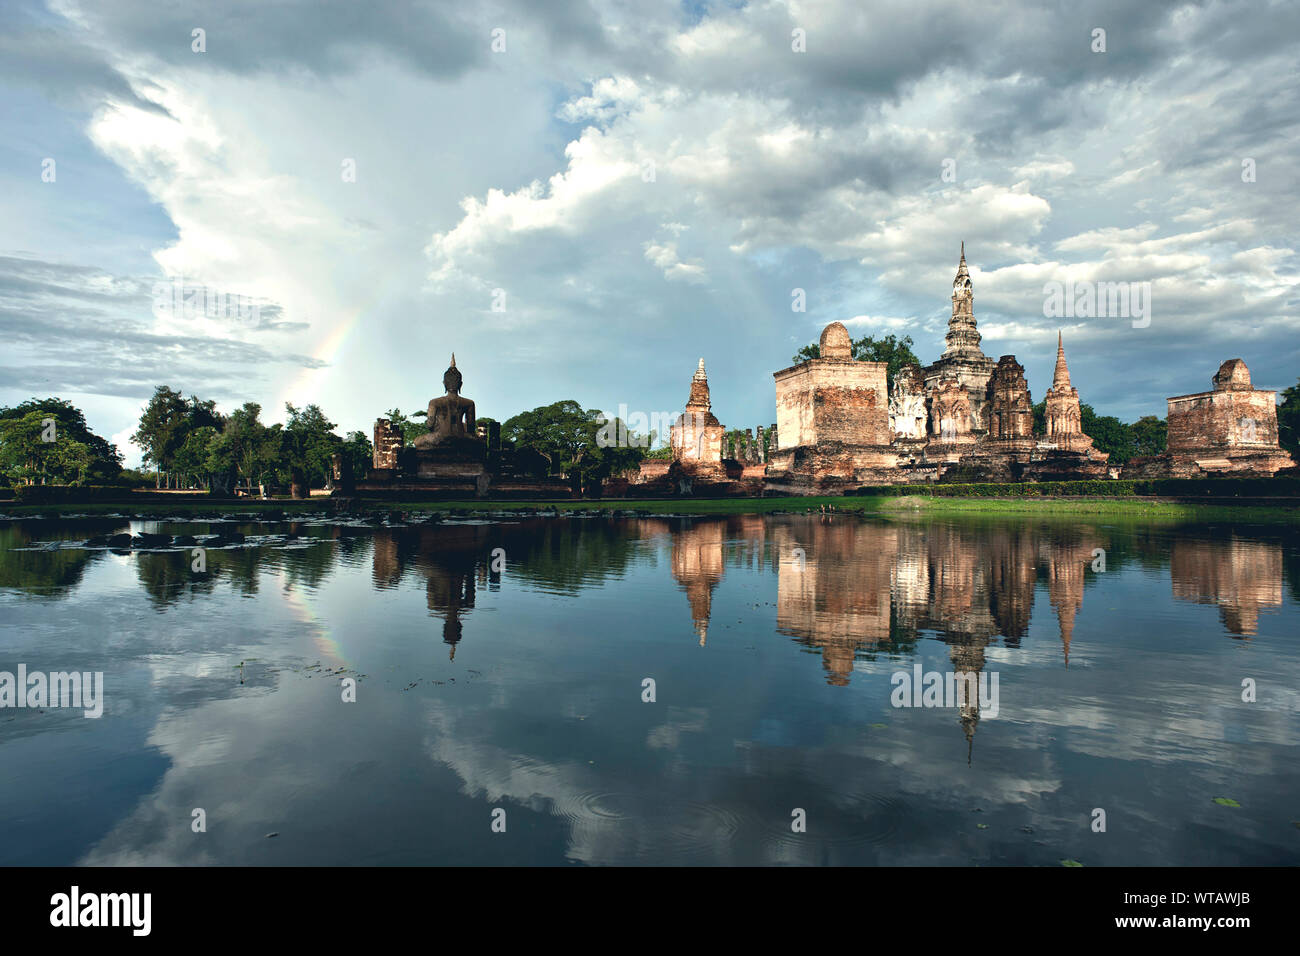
x: 582, y: 198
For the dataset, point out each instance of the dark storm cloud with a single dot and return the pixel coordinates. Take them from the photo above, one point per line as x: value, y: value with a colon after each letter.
x: 36, y: 50
x: 251, y: 36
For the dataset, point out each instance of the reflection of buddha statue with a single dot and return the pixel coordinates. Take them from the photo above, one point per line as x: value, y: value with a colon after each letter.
x: 451, y: 417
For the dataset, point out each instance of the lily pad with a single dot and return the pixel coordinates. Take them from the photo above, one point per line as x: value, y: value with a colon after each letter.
x: 1226, y: 802
x: 1071, y: 863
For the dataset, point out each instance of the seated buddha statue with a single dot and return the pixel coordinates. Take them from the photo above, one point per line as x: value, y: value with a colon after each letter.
x: 451, y: 417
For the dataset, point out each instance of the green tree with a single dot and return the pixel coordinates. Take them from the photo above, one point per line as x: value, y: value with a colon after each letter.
x: 193, y: 459
x: 895, y: 352
x: 582, y: 444
x: 358, y: 449
x: 1148, y: 435
x: 158, y: 434
x: 1108, y: 434
x: 104, y: 461
x: 165, y: 426
x: 247, y: 447
x: 309, y: 443
x: 807, y: 352
x: 1288, y: 419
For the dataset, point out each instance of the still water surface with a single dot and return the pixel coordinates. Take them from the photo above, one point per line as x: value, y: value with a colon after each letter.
x: 514, y: 679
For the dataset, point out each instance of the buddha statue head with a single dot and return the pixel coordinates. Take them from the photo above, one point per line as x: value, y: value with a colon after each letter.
x: 451, y: 379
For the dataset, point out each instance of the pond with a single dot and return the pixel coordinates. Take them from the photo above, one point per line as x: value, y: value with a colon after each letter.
x: 651, y: 690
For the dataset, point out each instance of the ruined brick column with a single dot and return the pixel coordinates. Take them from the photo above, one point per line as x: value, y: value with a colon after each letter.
x: 1011, y: 410
x: 388, y: 442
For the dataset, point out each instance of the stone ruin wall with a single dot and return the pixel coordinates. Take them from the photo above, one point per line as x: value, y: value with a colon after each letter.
x: 828, y: 400
x: 1222, y: 420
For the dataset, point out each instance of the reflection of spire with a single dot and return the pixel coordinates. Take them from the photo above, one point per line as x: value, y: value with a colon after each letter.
x: 1065, y: 616
x: 968, y: 658
x: 697, y: 565
x: 1065, y: 577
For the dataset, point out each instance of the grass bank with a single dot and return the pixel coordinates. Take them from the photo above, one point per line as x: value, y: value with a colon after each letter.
x: 1221, y: 510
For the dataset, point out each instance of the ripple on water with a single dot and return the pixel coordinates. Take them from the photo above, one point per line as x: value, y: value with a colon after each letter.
x: 614, y: 825
x: 873, y: 820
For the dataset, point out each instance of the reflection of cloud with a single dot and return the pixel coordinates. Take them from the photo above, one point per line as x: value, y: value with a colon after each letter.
x: 668, y: 735
x: 1144, y: 723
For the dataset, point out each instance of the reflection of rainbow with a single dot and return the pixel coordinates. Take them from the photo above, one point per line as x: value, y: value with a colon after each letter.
x: 325, y: 644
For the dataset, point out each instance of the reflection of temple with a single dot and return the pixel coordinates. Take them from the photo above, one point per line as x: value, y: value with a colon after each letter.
x: 945, y: 584
x: 1239, y: 575
x: 700, y: 551
x: 450, y: 591
x: 453, y: 560
x: 833, y: 589
x: 697, y: 563
x: 1067, y: 556
x: 948, y: 588
x: 1011, y: 557
x: 845, y: 586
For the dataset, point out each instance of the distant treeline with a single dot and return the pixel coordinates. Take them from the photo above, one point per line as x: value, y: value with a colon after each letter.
x: 187, y: 443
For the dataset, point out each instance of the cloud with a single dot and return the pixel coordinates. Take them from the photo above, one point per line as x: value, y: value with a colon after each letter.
x: 548, y: 172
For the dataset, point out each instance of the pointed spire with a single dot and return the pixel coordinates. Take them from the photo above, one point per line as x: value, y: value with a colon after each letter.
x: 961, y: 266
x: 1061, y: 378
x: 453, y: 359
x: 699, y: 397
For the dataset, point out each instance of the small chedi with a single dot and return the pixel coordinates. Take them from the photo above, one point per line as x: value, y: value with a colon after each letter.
x: 705, y: 460
x: 1230, y: 430
x: 696, y: 436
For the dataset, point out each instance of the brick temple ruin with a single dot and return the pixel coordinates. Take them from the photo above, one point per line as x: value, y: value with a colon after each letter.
x: 965, y: 417
x: 1231, y: 429
x: 841, y: 425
